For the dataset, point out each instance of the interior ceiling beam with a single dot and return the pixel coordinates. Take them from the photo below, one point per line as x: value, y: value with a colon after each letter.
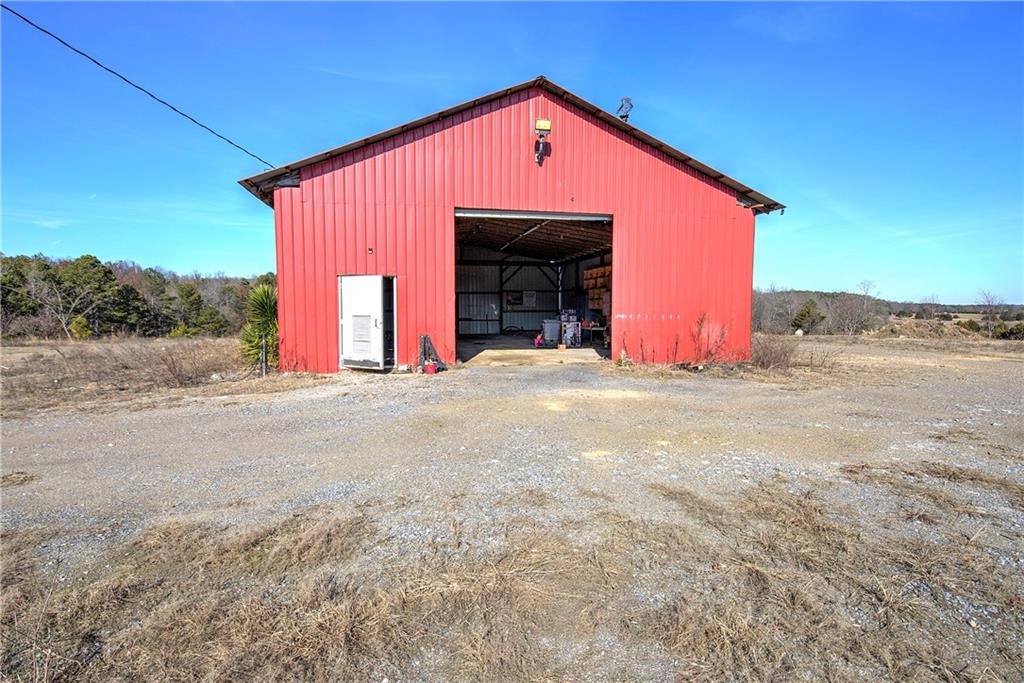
x: 576, y: 258
x: 543, y: 236
x: 555, y: 240
x: 522, y: 235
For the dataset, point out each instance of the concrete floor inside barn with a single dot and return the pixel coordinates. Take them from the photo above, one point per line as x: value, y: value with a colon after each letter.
x: 508, y: 350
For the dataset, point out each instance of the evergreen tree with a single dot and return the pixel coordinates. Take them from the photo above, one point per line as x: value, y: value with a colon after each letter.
x: 14, y: 302
x: 211, y: 321
x: 188, y: 305
x: 808, y: 317
x: 128, y: 312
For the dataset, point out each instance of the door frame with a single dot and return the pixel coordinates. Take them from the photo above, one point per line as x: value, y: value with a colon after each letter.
x: 466, y: 212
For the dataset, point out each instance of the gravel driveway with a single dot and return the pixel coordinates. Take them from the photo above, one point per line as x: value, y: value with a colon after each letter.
x: 562, y: 447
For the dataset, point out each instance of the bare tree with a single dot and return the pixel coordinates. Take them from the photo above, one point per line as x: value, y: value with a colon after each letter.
x: 773, y: 309
x: 760, y: 304
x: 865, y: 287
x: 58, y: 302
x: 787, y: 306
x: 846, y: 315
x: 991, y: 304
x: 929, y: 307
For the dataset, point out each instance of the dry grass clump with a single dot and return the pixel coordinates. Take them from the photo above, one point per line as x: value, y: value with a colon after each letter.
x: 770, y: 584
x: 781, y: 353
x: 772, y: 351
x: 1013, y: 490
x: 530, y: 497
x: 18, y: 478
x: 56, y: 374
x: 774, y: 358
x: 293, y: 600
x: 797, y: 592
x: 911, y: 479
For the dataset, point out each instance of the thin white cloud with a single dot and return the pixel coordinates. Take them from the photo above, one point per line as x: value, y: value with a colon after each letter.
x: 50, y: 223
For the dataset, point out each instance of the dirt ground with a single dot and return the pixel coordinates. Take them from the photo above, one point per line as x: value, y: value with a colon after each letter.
x: 857, y: 519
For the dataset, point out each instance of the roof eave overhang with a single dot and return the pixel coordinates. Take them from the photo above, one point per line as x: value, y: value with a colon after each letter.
x: 262, y: 185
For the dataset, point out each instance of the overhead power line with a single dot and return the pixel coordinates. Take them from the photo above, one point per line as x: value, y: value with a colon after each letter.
x: 135, y: 85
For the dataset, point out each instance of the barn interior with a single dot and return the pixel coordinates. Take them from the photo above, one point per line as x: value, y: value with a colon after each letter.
x: 532, y: 287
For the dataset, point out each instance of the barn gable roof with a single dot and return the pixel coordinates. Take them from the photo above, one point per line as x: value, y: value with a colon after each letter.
x: 262, y: 184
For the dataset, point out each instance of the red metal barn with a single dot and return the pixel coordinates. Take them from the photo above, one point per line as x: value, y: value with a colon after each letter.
x: 476, y: 189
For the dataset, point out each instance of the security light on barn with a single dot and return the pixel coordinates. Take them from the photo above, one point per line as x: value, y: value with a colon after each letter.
x: 542, y: 127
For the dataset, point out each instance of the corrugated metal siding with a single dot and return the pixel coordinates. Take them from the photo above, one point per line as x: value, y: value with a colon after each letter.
x: 470, y: 284
x: 478, y: 297
x: 531, y: 279
x: 681, y: 245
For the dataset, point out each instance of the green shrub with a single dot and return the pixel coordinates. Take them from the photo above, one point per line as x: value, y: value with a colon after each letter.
x: 261, y: 324
x: 1015, y: 332
x: 183, y: 330
x: 80, y: 328
x: 970, y: 325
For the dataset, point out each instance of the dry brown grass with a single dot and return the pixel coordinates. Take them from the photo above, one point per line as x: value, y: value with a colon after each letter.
x: 526, y: 497
x: 795, y: 579
x: 911, y: 479
x: 768, y: 585
x: 95, y: 375
x: 56, y: 374
x: 16, y: 479
x: 967, y: 346
x: 772, y: 351
x: 293, y: 600
x: 774, y: 358
x: 782, y: 353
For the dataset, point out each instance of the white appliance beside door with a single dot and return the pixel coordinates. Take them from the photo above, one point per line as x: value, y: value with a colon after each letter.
x: 367, y: 321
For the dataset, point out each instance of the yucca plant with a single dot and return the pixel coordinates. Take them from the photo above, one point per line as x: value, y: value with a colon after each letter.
x: 260, y: 330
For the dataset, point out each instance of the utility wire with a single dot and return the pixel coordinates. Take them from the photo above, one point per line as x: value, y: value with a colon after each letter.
x: 135, y: 85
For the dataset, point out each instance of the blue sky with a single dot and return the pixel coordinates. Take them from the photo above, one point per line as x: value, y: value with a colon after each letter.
x: 892, y: 131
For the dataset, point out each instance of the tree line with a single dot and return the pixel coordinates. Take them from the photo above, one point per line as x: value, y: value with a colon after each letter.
x: 83, y: 297
x: 779, y: 311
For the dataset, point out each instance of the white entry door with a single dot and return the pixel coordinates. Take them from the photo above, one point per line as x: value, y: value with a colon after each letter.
x: 362, y: 320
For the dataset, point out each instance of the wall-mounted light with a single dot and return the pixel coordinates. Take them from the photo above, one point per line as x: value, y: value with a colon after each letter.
x: 541, y: 148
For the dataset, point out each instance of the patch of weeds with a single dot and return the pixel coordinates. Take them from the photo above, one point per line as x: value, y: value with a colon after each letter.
x: 17, y: 478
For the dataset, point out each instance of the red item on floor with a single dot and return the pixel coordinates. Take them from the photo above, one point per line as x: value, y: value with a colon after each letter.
x: 429, y: 369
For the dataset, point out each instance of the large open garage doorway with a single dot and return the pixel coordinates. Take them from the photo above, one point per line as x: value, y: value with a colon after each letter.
x: 532, y: 287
